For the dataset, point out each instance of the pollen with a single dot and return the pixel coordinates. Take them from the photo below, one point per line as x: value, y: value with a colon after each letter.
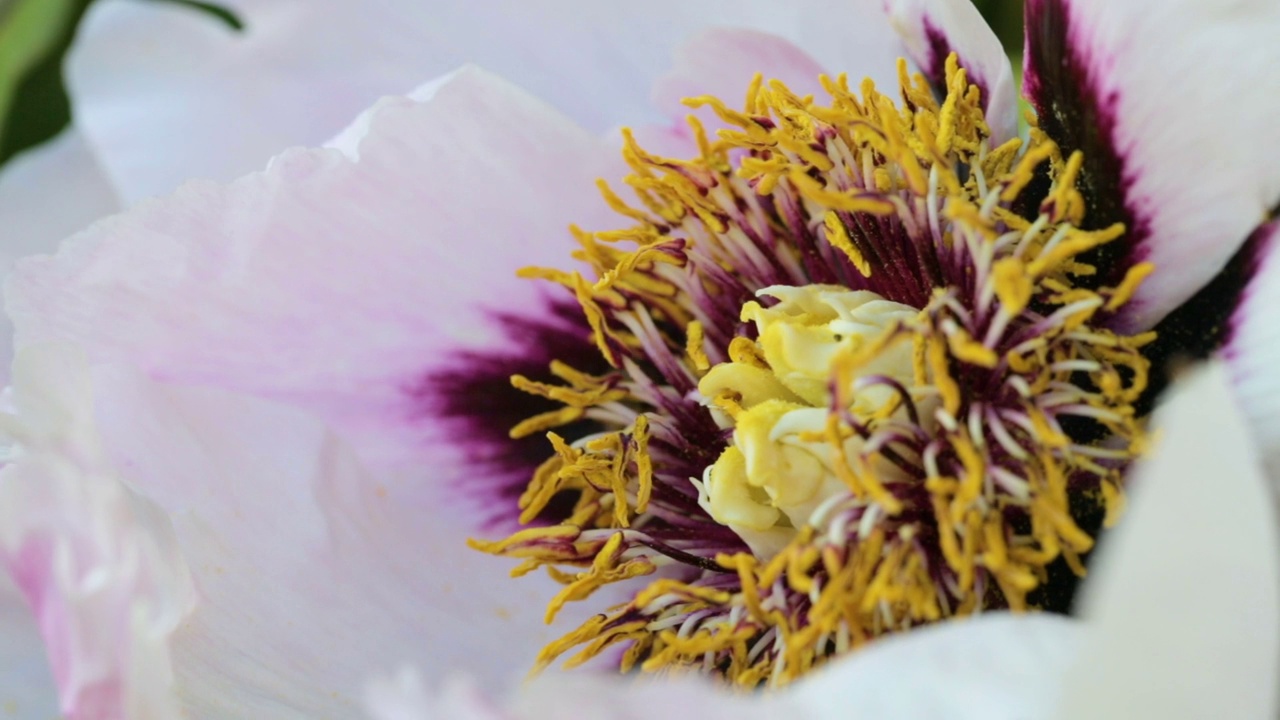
x: 857, y: 385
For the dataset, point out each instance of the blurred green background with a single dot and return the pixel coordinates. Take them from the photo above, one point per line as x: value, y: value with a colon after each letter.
x: 35, y: 34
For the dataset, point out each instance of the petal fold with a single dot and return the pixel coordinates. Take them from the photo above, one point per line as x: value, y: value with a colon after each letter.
x: 97, y: 563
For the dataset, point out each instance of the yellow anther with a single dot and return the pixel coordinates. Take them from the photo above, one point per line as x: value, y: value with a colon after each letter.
x: 607, y: 567
x: 1132, y: 279
x: 618, y: 205
x: 546, y: 421
x: 595, y: 318
x: 936, y: 355
x: 693, y: 347
x: 569, y: 396
x: 838, y: 236
x: 1013, y: 284
x: 1078, y: 242
x: 854, y: 202
x: 966, y: 349
x: 1026, y: 171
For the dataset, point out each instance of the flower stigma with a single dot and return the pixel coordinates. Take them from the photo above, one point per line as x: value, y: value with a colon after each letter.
x: 774, y: 395
x: 857, y: 385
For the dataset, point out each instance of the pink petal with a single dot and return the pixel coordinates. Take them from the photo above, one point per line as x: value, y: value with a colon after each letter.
x: 722, y: 61
x: 350, y: 288
x: 1183, y: 603
x: 1169, y: 102
x: 166, y: 94
x: 274, y: 365
x: 933, y: 29
x: 96, y: 563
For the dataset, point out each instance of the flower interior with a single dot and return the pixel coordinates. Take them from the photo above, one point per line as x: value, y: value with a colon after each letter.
x: 860, y: 382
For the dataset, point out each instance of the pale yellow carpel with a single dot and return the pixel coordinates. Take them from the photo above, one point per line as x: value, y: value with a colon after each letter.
x: 780, y: 467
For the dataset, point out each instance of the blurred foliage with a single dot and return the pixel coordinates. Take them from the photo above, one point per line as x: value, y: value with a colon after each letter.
x: 34, y: 38
x: 35, y: 35
x: 1005, y: 17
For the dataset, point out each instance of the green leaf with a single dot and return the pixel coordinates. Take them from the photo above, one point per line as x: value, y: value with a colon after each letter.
x: 33, y: 36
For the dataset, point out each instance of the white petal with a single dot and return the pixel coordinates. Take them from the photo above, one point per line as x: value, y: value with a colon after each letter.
x: 1252, y: 348
x: 1172, y: 103
x: 46, y: 194
x: 992, y: 667
x: 166, y: 94
x: 1183, y: 603
x: 405, y: 696
x: 933, y: 29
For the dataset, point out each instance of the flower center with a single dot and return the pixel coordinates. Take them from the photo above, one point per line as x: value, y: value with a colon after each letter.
x: 855, y: 387
x: 775, y: 392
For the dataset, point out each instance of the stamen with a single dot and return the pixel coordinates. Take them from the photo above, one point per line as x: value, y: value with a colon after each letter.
x: 855, y: 391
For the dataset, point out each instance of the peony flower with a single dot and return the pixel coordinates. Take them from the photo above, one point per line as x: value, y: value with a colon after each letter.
x: 302, y: 380
x: 1129, y: 664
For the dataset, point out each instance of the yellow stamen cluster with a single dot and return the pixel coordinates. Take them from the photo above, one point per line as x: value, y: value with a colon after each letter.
x: 955, y: 495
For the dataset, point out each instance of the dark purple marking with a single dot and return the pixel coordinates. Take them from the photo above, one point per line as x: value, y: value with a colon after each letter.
x: 1255, y: 251
x: 475, y: 399
x: 1059, y: 81
x: 935, y: 67
x: 1206, y: 322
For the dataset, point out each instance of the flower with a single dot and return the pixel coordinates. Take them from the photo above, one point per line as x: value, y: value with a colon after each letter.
x: 994, y: 666
x: 321, y: 439
x: 1145, y: 650
x: 887, y: 378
